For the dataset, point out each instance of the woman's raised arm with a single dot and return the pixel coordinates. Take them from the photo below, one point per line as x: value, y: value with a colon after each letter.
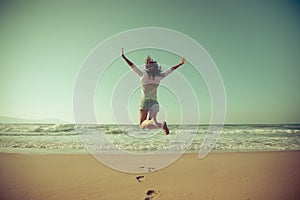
x: 126, y: 59
x: 178, y: 65
x: 133, y: 67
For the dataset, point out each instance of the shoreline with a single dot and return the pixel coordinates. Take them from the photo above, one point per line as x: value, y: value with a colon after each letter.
x: 219, y: 176
x: 30, y: 151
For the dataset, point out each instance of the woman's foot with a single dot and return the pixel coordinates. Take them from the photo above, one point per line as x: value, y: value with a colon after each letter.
x: 165, y: 128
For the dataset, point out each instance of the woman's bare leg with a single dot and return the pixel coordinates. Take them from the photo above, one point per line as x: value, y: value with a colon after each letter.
x: 165, y: 128
x: 149, y: 124
x: 153, y: 112
x: 143, y: 115
x: 152, y: 116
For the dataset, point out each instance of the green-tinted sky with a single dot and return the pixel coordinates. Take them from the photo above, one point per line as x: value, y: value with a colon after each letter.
x: 255, y: 45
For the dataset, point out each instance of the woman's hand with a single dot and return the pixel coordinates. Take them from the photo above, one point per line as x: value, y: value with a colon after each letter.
x: 182, y: 61
x: 178, y: 65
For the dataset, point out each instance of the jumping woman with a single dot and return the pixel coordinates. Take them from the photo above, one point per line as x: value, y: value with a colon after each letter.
x: 150, y: 80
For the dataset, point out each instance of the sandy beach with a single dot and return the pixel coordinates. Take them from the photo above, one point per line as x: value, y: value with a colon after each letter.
x: 249, y: 176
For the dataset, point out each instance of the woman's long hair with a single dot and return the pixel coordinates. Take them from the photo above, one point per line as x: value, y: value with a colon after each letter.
x: 152, y: 68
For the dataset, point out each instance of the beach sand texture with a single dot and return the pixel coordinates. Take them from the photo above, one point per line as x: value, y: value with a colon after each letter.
x: 249, y: 176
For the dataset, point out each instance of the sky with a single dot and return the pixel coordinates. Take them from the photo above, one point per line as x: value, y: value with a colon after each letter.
x: 254, y: 44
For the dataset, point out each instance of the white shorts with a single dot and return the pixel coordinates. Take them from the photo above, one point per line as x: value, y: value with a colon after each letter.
x: 154, y: 108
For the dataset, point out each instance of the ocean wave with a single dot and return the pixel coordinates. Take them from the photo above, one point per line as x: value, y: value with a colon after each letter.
x: 36, y: 129
x: 132, y: 138
x: 42, y: 145
x: 56, y: 128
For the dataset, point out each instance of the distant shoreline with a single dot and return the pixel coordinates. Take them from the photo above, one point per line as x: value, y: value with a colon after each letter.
x: 15, y: 120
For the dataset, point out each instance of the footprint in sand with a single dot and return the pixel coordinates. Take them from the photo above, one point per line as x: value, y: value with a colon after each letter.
x: 141, y: 178
x: 152, y: 194
x: 150, y: 169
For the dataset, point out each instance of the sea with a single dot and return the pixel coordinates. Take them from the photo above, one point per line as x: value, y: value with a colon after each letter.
x: 74, y: 139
